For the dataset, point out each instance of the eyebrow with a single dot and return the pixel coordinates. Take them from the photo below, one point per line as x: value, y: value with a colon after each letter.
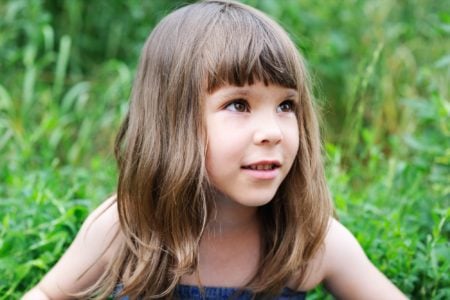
x: 243, y: 92
x: 291, y: 94
x: 236, y: 92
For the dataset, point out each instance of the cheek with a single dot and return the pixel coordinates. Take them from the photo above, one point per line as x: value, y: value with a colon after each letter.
x: 217, y: 148
x: 224, y: 139
x: 295, y: 142
x: 293, y: 139
x: 221, y: 149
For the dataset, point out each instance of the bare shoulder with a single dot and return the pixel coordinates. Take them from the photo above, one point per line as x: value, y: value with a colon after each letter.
x: 343, y: 267
x: 101, y: 228
x: 100, y: 234
x: 348, y: 273
x: 86, y: 258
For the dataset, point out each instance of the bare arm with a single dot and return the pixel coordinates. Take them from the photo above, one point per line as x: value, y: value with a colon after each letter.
x: 89, y: 251
x: 349, y: 274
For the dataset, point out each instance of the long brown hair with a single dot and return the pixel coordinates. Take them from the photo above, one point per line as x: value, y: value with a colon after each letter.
x: 163, y: 188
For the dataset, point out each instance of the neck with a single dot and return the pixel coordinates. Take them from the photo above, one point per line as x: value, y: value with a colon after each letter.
x: 229, y: 250
x: 229, y: 216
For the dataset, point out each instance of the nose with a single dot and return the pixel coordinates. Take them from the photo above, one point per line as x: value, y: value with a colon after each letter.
x: 267, y: 131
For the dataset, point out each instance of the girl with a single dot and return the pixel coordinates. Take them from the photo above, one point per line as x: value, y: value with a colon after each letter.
x: 221, y: 188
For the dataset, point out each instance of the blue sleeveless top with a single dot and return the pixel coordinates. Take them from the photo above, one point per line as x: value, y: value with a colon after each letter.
x: 185, y: 292
x: 189, y: 292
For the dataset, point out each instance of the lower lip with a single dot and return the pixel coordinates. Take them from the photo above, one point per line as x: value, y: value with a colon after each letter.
x: 262, y: 174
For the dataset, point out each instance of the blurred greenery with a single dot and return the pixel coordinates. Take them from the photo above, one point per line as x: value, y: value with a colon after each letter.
x: 381, y: 71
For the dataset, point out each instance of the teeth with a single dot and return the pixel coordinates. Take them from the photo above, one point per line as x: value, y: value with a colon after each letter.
x: 262, y: 167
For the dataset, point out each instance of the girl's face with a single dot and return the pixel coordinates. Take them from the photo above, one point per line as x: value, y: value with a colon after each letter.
x: 253, y: 139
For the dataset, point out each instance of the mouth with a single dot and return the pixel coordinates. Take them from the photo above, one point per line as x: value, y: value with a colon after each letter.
x: 262, y: 166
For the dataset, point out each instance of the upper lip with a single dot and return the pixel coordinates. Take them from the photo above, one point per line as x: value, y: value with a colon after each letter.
x: 275, y: 163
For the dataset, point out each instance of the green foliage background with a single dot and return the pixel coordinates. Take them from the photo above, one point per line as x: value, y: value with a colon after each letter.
x: 381, y: 72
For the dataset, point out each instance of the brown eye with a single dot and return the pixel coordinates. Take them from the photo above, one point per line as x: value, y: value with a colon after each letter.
x: 238, y: 106
x: 286, y: 106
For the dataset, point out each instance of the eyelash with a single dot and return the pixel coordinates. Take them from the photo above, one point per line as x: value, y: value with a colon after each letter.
x: 238, y: 102
x: 246, y: 107
x: 291, y: 103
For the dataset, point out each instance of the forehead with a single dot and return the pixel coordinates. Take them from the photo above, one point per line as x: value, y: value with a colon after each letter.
x: 255, y: 89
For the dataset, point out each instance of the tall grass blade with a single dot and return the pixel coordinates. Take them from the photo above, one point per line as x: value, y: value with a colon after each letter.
x: 356, y: 108
x: 30, y: 77
x: 5, y: 99
x: 61, y: 65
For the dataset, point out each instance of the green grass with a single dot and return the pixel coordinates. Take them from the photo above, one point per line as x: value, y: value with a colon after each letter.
x: 381, y: 72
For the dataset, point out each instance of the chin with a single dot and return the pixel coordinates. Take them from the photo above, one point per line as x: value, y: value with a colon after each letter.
x: 246, y: 197
x: 253, y: 201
